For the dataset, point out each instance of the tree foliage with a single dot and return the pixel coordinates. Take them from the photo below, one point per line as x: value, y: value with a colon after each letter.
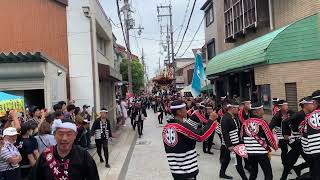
x: 137, y: 74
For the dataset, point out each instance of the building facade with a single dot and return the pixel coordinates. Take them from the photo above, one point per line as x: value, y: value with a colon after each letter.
x: 34, y: 50
x: 259, y: 49
x: 91, y: 56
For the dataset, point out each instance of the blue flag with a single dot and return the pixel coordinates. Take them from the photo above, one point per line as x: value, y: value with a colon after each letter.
x: 198, y: 76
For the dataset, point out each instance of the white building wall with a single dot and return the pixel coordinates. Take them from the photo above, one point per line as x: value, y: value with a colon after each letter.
x: 80, y: 57
x: 55, y: 89
x: 80, y: 46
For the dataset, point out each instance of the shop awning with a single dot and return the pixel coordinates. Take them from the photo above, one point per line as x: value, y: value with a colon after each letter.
x: 298, y: 41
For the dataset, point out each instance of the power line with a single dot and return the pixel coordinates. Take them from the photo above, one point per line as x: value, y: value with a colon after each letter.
x: 193, y: 38
x: 185, y: 32
x: 116, y: 25
x: 152, y: 39
x: 123, y: 34
x: 183, y: 21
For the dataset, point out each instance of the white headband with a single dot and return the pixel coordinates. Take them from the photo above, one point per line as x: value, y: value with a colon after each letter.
x: 283, y: 104
x: 233, y: 106
x: 246, y: 102
x: 306, y: 102
x: 104, y: 111
x: 275, y: 100
x: 315, y: 97
x: 255, y: 108
x: 67, y: 125
x: 178, y: 106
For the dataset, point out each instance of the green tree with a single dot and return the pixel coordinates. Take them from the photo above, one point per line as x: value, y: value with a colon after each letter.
x: 137, y: 74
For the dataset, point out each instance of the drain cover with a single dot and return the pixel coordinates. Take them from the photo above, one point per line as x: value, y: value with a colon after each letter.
x: 143, y: 142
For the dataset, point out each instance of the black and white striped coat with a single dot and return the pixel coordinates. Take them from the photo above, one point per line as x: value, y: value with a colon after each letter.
x: 276, y: 122
x: 310, y: 139
x: 180, y: 145
x: 97, y: 129
x: 230, y: 127
x: 251, y: 144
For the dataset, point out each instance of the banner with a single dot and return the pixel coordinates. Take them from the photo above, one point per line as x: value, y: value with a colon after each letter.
x: 199, y: 76
x: 9, y: 102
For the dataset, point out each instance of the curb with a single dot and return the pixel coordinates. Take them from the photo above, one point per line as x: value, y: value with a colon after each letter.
x: 124, y: 169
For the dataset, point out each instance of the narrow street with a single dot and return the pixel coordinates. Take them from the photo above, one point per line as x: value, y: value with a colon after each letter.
x: 148, y: 161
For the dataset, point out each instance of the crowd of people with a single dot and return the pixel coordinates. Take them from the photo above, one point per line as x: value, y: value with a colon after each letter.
x: 53, y: 145
x: 245, y: 136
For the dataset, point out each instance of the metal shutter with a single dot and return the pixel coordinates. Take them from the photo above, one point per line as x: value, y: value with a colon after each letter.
x: 291, y: 96
x: 21, y: 84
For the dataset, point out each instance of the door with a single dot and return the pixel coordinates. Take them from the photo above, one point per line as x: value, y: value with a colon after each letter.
x: 291, y: 96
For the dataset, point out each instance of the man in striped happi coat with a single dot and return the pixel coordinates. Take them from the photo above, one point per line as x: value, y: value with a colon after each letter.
x: 230, y: 126
x: 101, y: 129
x: 258, y: 138
x: 180, y: 137
x: 276, y: 124
x: 310, y: 129
x: 290, y: 131
x: 199, y: 116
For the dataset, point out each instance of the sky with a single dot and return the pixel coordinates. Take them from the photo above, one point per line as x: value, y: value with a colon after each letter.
x: 145, y: 14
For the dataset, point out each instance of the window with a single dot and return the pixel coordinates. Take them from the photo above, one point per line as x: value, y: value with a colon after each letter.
x: 264, y: 95
x: 211, y: 49
x: 101, y: 45
x: 209, y: 15
x: 239, y: 15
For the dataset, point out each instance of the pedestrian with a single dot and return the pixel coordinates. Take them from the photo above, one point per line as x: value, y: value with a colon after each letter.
x: 101, y: 129
x: 160, y: 111
x: 276, y: 123
x: 230, y: 127
x: 64, y: 160
x: 57, y: 107
x: 27, y: 149
x: 290, y: 131
x: 275, y: 108
x: 180, y: 137
x: 124, y: 107
x: 63, y: 105
x: 81, y: 139
x: 244, y: 114
x: 258, y: 139
x: 44, y: 138
x: 207, y: 144
x: 310, y: 129
x: 87, y: 119
x: 69, y: 114
x: 10, y: 156
x: 140, y: 114
x: 37, y: 115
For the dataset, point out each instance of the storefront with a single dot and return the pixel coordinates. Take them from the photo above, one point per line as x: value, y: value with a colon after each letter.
x: 37, y: 78
x: 282, y: 63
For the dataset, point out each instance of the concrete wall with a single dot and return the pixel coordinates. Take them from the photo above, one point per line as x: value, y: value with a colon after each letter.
x: 289, y: 11
x: 295, y: 72
x: 80, y: 57
x: 55, y: 85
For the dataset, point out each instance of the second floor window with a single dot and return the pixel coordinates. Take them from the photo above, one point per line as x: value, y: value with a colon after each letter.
x: 211, y: 49
x: 209, y: 15
x: 101, y: 45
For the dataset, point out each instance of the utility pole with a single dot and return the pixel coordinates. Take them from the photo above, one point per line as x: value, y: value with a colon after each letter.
x: 169, y: 7
x: 129, y: 24
x: 168, y: 45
